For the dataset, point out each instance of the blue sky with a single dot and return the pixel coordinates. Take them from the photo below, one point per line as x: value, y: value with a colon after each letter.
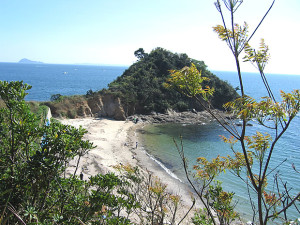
x: 108, y: 32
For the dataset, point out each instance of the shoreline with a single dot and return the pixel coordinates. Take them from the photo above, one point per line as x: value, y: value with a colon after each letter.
x: 148, y: 162
x: 186, y: 117
x: 116, y: 144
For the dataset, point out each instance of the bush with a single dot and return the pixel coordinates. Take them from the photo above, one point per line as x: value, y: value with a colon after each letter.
x: 90, y: 93
x: 55, y: 97
x: 182, y: 106
x: 34, y: 188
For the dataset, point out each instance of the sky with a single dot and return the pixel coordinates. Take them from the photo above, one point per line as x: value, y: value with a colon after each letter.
x: 109, y: 31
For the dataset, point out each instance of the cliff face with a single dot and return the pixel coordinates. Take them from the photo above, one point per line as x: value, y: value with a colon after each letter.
x: 107, y: 106
x: 78, y: 106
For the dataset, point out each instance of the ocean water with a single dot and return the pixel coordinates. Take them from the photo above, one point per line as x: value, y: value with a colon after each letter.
x: 204, y: 141
x: 49, y: 79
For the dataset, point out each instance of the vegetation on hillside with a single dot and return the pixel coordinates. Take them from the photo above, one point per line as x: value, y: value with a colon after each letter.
x: 141, y: 87
x: 66, y: 106
x: 34, y: 186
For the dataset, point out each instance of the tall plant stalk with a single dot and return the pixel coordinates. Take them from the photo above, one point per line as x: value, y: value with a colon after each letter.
x: 254, y: 155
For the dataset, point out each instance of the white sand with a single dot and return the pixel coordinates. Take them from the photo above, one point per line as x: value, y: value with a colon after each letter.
x: 110, y: 138
x: 116, y: 144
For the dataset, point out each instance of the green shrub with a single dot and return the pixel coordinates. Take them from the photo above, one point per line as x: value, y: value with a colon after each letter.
x: 182, y: 106
x: 55, y: 97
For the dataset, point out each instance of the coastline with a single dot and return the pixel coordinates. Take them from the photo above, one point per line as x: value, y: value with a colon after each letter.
x: 116, y: 143
x: 153, y: 165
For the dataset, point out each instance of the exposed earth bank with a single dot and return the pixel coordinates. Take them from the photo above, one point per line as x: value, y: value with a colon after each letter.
x: 110, y: 106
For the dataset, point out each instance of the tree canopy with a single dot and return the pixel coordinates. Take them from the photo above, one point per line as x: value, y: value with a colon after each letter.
x: 142, y: 90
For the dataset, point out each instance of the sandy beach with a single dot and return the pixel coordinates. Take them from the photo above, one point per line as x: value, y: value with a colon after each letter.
x: 112, y: 148
x: 117, y: 143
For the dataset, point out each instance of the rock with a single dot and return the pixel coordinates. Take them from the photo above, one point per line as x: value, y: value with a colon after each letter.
x: 177, y: 117
x: 107, y: 106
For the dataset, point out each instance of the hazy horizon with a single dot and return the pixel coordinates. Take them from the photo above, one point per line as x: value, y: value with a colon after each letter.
x: 108, y: 32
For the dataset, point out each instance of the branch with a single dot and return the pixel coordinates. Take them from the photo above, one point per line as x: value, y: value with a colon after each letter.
x: 294, y: 167
x: 229, y: 129
x: 194, y: 201
x: 260, y: 22
x: 13, y: 211
x: 285, y: 208
x: 277, y: 167
x: 251, y: 202
x: 272, y: 148
x: 185, y: 166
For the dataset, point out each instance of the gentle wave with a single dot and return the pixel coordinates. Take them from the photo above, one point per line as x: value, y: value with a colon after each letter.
x: 162, y: 166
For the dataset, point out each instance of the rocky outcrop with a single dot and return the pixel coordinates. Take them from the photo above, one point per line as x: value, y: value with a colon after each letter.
x: 188, y: 117
x: 105, y: 105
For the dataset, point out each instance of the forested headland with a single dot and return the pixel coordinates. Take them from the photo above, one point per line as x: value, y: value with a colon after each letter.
x: 141, y: 90
x: 141, y: 87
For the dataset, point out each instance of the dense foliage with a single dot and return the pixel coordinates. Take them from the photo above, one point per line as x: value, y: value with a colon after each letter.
x: 142, y: 90
x: 35, y: 189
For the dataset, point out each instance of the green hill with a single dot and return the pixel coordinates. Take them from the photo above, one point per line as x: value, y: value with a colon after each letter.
x: 141, y: 86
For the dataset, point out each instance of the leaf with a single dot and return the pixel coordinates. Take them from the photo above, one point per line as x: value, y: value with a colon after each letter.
x: 189, y: 82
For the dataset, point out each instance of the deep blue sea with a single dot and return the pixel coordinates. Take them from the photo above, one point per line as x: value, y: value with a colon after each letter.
x: 204, y: 141
x: 200, y: 140
x: 49, y: 79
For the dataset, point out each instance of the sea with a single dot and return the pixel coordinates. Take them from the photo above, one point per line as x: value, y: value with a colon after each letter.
x: 50, y: 79
x: 158, y: 140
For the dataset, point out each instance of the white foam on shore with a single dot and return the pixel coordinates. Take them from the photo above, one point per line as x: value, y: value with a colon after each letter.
x: 159, y: 163
x: 162, y: 165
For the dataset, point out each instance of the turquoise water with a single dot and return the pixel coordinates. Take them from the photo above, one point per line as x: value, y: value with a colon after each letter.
x: 204, y: 141
x: 49, y: 79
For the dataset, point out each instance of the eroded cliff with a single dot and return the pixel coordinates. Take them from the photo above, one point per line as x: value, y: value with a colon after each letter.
x: 98, y: 105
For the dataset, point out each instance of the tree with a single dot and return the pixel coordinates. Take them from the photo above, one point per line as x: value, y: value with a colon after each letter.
x: 55, y: 97
x: 140, y: 53
x: 251, y: 158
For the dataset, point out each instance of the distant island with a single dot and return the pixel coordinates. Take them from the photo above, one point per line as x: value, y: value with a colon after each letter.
x: 27, y: 61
